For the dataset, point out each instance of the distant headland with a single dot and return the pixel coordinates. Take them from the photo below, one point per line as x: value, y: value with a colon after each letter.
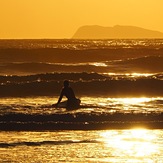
x: 115, y: 32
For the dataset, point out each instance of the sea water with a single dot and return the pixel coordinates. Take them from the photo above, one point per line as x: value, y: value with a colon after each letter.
x: 117, y: 143
x: 134, y: 145
x: 119, y: 83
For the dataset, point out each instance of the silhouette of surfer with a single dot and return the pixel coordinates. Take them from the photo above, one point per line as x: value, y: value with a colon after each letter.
x: 72, y: 102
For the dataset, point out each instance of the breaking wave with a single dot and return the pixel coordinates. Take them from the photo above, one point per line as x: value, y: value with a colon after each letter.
x: 83, y: 84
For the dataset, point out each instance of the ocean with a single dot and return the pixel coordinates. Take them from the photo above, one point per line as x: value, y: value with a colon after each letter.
x: 119, y: 83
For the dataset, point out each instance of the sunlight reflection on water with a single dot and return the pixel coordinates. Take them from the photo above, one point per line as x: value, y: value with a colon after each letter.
x: 135, y: 145
x: 43, y: 105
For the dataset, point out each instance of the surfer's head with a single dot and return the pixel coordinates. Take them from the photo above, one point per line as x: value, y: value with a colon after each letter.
x: 66, y: 83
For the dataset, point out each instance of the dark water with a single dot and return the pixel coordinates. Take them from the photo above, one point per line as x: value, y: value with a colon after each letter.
x: 107, y: 67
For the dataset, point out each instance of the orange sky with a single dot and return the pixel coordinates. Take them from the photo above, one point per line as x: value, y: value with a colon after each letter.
x: 61, y: 18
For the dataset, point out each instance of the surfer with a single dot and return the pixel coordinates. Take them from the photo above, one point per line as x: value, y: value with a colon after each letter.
x: 72, y: 102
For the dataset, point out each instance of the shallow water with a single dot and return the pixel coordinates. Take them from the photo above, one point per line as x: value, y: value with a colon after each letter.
x: 37, y: 113
x: 135, y: 145
x: 43, y: 105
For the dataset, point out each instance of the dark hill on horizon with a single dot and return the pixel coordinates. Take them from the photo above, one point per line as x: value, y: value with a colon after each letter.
x: 116, y: 32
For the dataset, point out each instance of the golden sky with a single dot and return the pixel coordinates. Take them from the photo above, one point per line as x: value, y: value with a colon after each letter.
x: 61, y: 18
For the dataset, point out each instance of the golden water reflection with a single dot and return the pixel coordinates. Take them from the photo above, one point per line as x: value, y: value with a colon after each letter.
x: 133, y: 144
x: 92, y: 146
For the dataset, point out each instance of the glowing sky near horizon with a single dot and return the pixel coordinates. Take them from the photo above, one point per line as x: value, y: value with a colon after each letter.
x: 61, y: 18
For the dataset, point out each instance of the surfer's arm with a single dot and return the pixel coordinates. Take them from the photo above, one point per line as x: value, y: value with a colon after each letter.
x: 60, y: 97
